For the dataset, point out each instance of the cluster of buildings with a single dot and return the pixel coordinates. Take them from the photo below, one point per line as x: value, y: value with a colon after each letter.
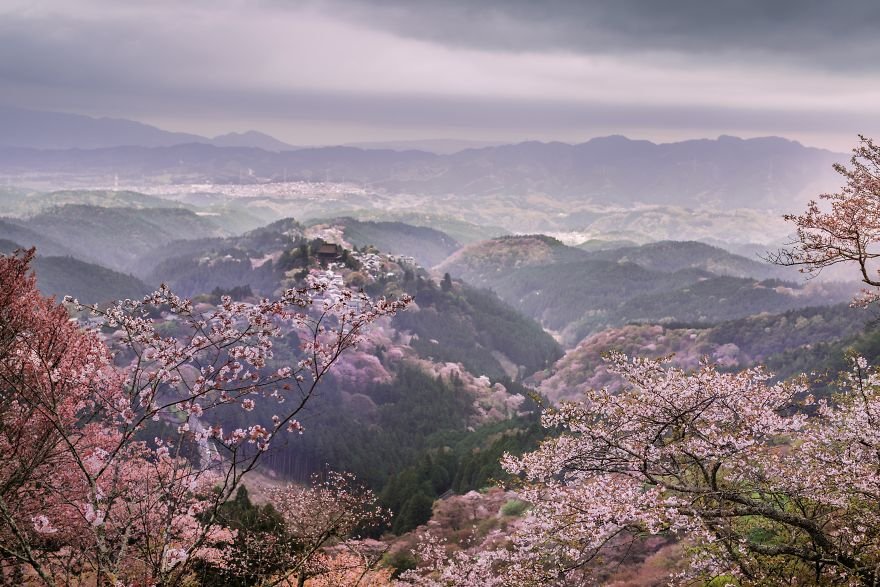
x: 281, y: 190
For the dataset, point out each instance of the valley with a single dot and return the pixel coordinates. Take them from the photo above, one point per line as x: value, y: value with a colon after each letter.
x: 515, y: 308
x: 502, y: 325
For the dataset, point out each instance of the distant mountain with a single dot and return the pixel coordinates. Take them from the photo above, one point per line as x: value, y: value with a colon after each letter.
x: 64, y: 275
x: 59, y: 130
x: 461, y: 230
x: 480, y: 263
x: 88, y: 282
x: 678, y: 255
x: 765, y: 173
x: 230, y: 215
x: 37, y: 129
x: 210, y: 163
x: 114, y: 237
x: 597, y: 244
x: 198, y: 266
x: 250, y: 138
x: 13, y: 232
x: 35, y: 202
x: 726, y: 172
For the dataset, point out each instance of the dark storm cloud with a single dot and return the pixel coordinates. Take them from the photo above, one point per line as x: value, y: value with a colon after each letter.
x: 89, y: 54
x: 813, y: 33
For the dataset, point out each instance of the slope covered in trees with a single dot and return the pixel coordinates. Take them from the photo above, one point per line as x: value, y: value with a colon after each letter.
x: 578, y: 293
x: 813, y: 340
x: 113, y: 237
x: 671, y: 256
x: 84, y: 495
x: 474, y: 327
x: 61, y: 276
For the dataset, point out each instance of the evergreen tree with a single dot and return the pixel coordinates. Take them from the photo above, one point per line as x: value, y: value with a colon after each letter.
x: 416, y: 511
x: 447, y: 282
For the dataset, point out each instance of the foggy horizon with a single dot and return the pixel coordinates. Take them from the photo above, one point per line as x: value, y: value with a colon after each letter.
x: 344, y: 71
x: 457, y: 142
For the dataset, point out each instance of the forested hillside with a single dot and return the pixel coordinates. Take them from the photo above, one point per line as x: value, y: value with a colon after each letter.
x: 812, y: 339
x: 671, y: 256
x: 115, y: 236
x: 578, y: 292
x: 425, y: 380
x: 61, y: 276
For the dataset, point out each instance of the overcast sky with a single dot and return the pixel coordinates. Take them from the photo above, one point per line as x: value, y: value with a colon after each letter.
x: 335, y: 71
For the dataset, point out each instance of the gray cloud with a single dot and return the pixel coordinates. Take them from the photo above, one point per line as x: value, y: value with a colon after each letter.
x: 808, y: 32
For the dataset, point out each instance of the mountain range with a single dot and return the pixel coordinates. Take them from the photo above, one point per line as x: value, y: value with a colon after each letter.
x: 764, y: 173
x: 576, y: 293
x: 724, y: 190
x: 37, y: 129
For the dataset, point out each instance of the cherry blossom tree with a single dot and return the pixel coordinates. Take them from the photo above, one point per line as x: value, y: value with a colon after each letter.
x: 83, y: 493
x: 332, y: 511
x: 328, y: 513
x: 730, y: 464
x: 848, y: 232
x: 351, y: 569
